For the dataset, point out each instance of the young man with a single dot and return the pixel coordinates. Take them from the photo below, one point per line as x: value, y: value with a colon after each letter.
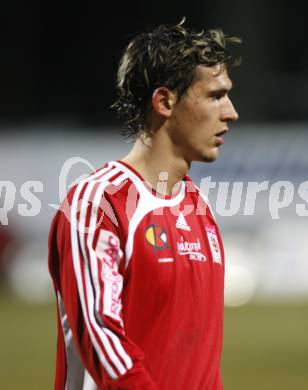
x: 135, y: 254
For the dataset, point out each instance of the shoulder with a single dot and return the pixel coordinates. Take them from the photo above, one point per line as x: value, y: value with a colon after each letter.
x: 110, y: 189
x: 108, y: 180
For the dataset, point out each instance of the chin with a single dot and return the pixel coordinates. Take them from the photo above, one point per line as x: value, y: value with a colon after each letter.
x: 206, y: 159
x: 210, y: 157
x: 207, y: 156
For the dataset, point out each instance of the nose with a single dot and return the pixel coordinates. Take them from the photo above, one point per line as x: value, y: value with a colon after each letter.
x: 229, y: 113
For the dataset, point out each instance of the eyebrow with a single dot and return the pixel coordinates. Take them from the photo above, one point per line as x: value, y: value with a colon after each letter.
x: 221, y: 90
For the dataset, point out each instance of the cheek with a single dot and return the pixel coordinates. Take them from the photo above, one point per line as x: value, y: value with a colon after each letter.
x: 205, y: 111
x: 202, y: 121
x: 183, y: 122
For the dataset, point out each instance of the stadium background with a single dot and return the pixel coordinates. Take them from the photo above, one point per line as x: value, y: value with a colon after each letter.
x: 57, y: 73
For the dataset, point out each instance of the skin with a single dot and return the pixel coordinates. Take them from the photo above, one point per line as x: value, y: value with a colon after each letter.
x: 187, y: 130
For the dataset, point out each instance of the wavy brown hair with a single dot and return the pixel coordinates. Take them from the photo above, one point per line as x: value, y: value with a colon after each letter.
x: 166, y: 56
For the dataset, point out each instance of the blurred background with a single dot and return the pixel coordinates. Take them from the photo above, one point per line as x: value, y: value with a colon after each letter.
x: 57, y: 73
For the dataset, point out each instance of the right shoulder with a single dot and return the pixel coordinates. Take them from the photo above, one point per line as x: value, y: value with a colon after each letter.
x: 107, y: 189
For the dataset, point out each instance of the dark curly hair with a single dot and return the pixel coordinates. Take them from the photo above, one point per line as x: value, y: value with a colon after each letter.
x: 166, y: 56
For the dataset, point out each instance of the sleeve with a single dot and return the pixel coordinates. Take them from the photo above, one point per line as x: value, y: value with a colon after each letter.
x: 91, y: 289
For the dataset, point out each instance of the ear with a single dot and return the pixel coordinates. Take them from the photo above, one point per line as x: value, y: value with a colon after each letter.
x: 163, y: 101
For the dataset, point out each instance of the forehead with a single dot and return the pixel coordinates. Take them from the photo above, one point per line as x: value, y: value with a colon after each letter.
x: 212, y: 77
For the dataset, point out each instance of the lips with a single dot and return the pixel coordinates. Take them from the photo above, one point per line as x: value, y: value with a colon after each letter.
x: 221, y: 133
x: 219, y: 137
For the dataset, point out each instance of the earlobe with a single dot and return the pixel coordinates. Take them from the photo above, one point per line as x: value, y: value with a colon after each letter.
x: 163, y: 101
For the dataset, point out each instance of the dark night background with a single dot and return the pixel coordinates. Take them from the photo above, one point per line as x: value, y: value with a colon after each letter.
x: 58, y: 60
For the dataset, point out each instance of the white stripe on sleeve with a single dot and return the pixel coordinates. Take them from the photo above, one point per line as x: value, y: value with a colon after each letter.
x: 93, y: 303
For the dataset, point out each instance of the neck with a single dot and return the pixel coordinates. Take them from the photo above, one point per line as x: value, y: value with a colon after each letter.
x: 158, y: 164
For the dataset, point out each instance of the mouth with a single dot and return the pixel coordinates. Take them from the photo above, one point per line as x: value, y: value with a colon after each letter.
x: 219, y: 137
x: 221, y: 133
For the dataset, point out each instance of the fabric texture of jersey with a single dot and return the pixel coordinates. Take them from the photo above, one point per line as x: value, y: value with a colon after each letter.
x: 139, y: 280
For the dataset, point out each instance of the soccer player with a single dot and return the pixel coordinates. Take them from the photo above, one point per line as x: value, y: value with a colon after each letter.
x: 135, y: 254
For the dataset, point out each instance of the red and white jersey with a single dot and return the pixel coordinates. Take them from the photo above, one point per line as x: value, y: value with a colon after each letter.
x: 139, y: 280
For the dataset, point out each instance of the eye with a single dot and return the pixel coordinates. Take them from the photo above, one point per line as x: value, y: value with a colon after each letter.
x: 219, y: 95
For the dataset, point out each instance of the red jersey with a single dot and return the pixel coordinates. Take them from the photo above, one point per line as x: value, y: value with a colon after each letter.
x: 139, y: 280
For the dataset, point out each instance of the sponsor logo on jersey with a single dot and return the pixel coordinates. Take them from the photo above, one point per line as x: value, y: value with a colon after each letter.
x: 214, y: 244
x: 109, y: 253
x: 156, y: 236
x: 166, y: 260
x: 191, y: 249
x: 181, y: 222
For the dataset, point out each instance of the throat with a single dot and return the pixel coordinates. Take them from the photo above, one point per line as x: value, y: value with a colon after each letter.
x: 162, y: 171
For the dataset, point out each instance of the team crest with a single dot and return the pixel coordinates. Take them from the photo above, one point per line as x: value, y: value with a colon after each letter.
x: 214, y: 245
x: 156, y: 236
